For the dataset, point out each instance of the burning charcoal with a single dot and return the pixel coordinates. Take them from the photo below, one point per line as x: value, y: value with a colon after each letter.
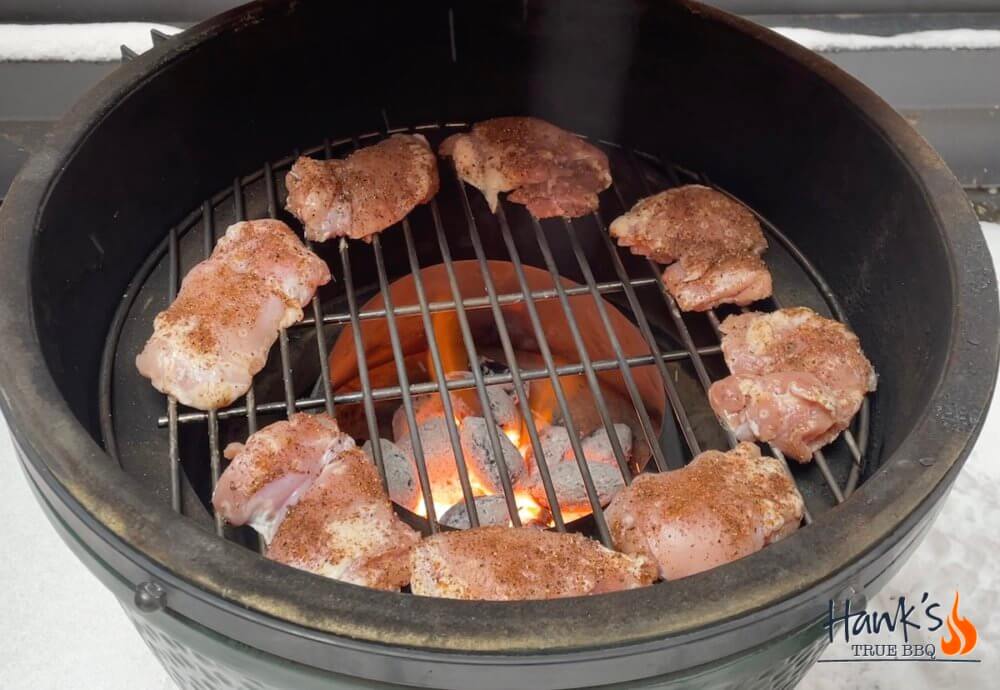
x: 439, y: 458
x: 489, y: 367
x: 426, y: 407
x: 570, y: 491
x: 539, y: 518
x: 492, y: 510
x: 477, y: 447
x: 400, y: 473
x: 597, y: 446
x: 504, y: 409
x: 555, y: 446
x: 503, y: 403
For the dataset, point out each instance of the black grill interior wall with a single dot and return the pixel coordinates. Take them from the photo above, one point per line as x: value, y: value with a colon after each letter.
x: 653, y: 75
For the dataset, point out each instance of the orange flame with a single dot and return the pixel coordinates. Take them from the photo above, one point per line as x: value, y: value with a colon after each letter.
x: 543, y: 403
x: 962, y: 633
x: 449, y: 342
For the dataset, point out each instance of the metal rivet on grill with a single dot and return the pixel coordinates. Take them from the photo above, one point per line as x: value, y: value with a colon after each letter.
x: 150, y: 597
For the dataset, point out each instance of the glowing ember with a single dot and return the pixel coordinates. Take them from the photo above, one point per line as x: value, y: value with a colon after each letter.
x: 471, y: 422
x: 515, y: 437
x: 483, y: 471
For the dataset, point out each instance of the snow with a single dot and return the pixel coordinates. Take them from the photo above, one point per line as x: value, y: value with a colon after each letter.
x: 75, y: 42
x: 947, y: 39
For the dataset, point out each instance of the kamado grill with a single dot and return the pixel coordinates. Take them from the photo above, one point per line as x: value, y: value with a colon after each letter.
x: 864, y: 222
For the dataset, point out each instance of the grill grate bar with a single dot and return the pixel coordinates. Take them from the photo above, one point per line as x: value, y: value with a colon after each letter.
x: 824, y: 469
x: 215, y: 457
x: 173, y: 445
x: 687, y: 430
x: 637, y: 402
x: 286, y: 367
x: 477, y: 374
x: 682, y: 329
x: 543, y: 346
x: 857, y: 449
x: 581, y: 348
x: 216, y: 464
x: 317, y: 310
x: 391, y: 392
x: 239, y: 209
x: 480, y: 302
x: 359, y: 347
x: 324, y: 364
x: 404, y: 381
x: 440, y: 375
x: 515, y: 370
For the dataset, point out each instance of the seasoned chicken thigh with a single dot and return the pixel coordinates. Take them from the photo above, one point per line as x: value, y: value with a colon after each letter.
x: 207, y: 345
x: 549, y: 170
x: 717, y: 509
x: 344, y: 527
x: 507, y: 564
x: 712, y: 242
x: 797, y: 379
x: 372, y: 189
x: 278, y: 463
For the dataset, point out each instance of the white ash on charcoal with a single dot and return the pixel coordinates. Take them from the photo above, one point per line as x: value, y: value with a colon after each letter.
x: 439, y: 458
x: 504, y: 408
x: 400, y: 473
x: 464, y: 403
x: 492, y: 510
x: 490, y: 367
x: 426, y: 407
x: 597, y: 447
x: 555, y: 444
x: 477, y: 447
x: 503, y: 403
x: 570, y: 490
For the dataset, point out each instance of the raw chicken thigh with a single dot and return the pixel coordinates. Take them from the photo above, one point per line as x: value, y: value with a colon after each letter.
x: 370, y: 190
x: 549, y: 170
x: 720, y: 507
x: 278, y: 463
x: 712, y: 243
x: 344, y: 527
x: 207, y: 345
x: 797, y: 379
x: 506, y: 564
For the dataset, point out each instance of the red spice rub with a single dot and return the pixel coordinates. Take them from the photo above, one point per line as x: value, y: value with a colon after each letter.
x: 715, y: 241
x: 549, y: 170
x: 720, y: 507
x: 502, y: 564
x: 344, y: 527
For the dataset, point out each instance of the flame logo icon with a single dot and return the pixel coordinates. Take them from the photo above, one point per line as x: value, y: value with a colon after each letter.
x: 962, y: 633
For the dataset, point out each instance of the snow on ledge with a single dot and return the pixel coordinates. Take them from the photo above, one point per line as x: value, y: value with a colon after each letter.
x: 947, y: 39
x: 75, y: 42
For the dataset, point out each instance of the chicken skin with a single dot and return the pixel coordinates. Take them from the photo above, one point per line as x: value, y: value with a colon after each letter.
x: 549, y: 170
x: 717, y: 509
x: 508, y: 564
x: 344, y: 528
x: 369, y: 191
x: 797, y: 379
x: 712, y: 243
x: 207, y: 346
x: 278, y: 463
